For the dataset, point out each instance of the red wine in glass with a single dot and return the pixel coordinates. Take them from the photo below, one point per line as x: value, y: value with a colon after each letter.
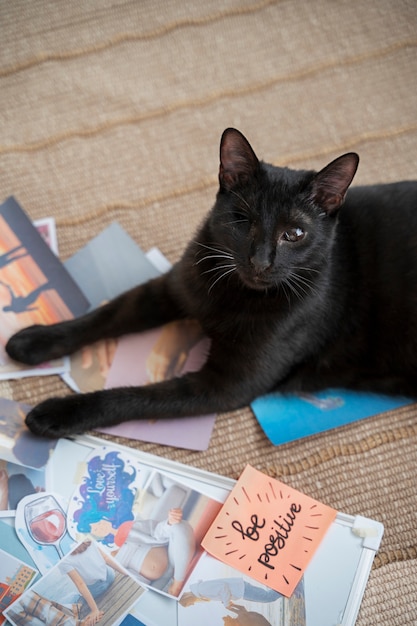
x: 46, y: 521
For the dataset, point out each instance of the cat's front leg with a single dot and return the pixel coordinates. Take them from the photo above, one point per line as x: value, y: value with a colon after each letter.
x: 141, y: 308
x: 218, y: 387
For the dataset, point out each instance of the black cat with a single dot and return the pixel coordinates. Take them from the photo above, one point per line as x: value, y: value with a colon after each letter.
x: 294, y: 293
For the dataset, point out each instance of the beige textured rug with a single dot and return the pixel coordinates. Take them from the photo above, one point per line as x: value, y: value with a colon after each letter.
x: 113, y: 110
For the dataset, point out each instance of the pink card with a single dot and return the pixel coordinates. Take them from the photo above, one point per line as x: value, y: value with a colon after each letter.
x: 268, y: 530
x: 130, y: 367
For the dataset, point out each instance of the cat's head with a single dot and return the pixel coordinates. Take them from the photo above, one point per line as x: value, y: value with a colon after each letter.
x: 275, y: 225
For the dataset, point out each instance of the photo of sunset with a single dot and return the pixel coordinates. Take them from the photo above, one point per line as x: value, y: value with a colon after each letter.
x: 35, y: 288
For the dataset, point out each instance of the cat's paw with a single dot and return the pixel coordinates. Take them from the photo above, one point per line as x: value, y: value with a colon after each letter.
x: 34, y: 345
x: 58, y: 417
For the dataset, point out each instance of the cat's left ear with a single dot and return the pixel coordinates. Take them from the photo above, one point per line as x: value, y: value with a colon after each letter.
x: 331, y: 183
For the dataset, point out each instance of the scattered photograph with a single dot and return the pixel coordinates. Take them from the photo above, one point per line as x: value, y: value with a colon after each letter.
x: 16, y: 482
x: 154, y: 356
x: 217, y: 592
x: 161, y: 545
x: 17, y: 444
x: 35, y: 288
x: 15, y: 577
x: 86, y: 587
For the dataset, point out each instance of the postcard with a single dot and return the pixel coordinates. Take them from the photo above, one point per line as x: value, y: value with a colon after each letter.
x: 216, y: 591
x: 286, y: 417
x: 156, y: 355
x: 17, y: 444
x: 87, y: 586
x: 35, y: 288
x: 15, y: 577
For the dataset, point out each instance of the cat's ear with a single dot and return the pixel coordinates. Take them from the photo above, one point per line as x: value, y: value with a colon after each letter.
x: 238, y: 162
x: 331, y: 183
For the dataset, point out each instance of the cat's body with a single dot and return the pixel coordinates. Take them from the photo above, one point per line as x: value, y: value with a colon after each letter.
x: 294, y: 293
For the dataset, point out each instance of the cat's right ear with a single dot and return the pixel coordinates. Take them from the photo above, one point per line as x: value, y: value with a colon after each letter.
x: 238, y: 162
x: 331, y: 183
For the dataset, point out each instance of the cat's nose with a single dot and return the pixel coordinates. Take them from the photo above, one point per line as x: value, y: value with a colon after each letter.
x: 260, y: 262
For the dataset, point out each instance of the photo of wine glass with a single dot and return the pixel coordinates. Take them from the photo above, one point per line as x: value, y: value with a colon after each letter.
x: 46, y: 521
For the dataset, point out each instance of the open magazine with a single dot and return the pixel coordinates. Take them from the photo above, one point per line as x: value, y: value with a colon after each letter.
x: 131, y: 526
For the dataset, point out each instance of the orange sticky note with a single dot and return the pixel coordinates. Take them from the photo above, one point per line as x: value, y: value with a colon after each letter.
x: 268, y: 530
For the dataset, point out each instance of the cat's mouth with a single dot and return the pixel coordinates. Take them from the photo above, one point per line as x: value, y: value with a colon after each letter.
x: 260, y: 282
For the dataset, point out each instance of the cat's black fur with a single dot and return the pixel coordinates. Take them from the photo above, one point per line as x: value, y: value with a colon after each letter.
x: 294, y: 293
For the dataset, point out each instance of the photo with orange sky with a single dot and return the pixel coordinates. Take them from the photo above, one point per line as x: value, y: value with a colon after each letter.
x: 35, y: 288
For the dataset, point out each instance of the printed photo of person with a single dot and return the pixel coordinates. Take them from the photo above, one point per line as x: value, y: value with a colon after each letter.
x: 230, y: 598
x: 87, y: 587
x: 161, y: 546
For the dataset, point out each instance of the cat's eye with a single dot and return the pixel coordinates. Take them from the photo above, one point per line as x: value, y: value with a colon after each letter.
x: 292, y: 235
x: 240, y: 216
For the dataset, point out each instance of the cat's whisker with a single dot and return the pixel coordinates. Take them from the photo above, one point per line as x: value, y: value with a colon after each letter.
x: 300, y: 286
x: 215, y: 256
x: 283, y: 285
x: 308, y: 269
x: 294, y: 289
x: 220, y: 267
x: 203, y: 245
x: 223, y: 275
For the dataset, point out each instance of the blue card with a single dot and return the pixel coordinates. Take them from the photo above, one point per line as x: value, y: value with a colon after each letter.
x: 285, y: 418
